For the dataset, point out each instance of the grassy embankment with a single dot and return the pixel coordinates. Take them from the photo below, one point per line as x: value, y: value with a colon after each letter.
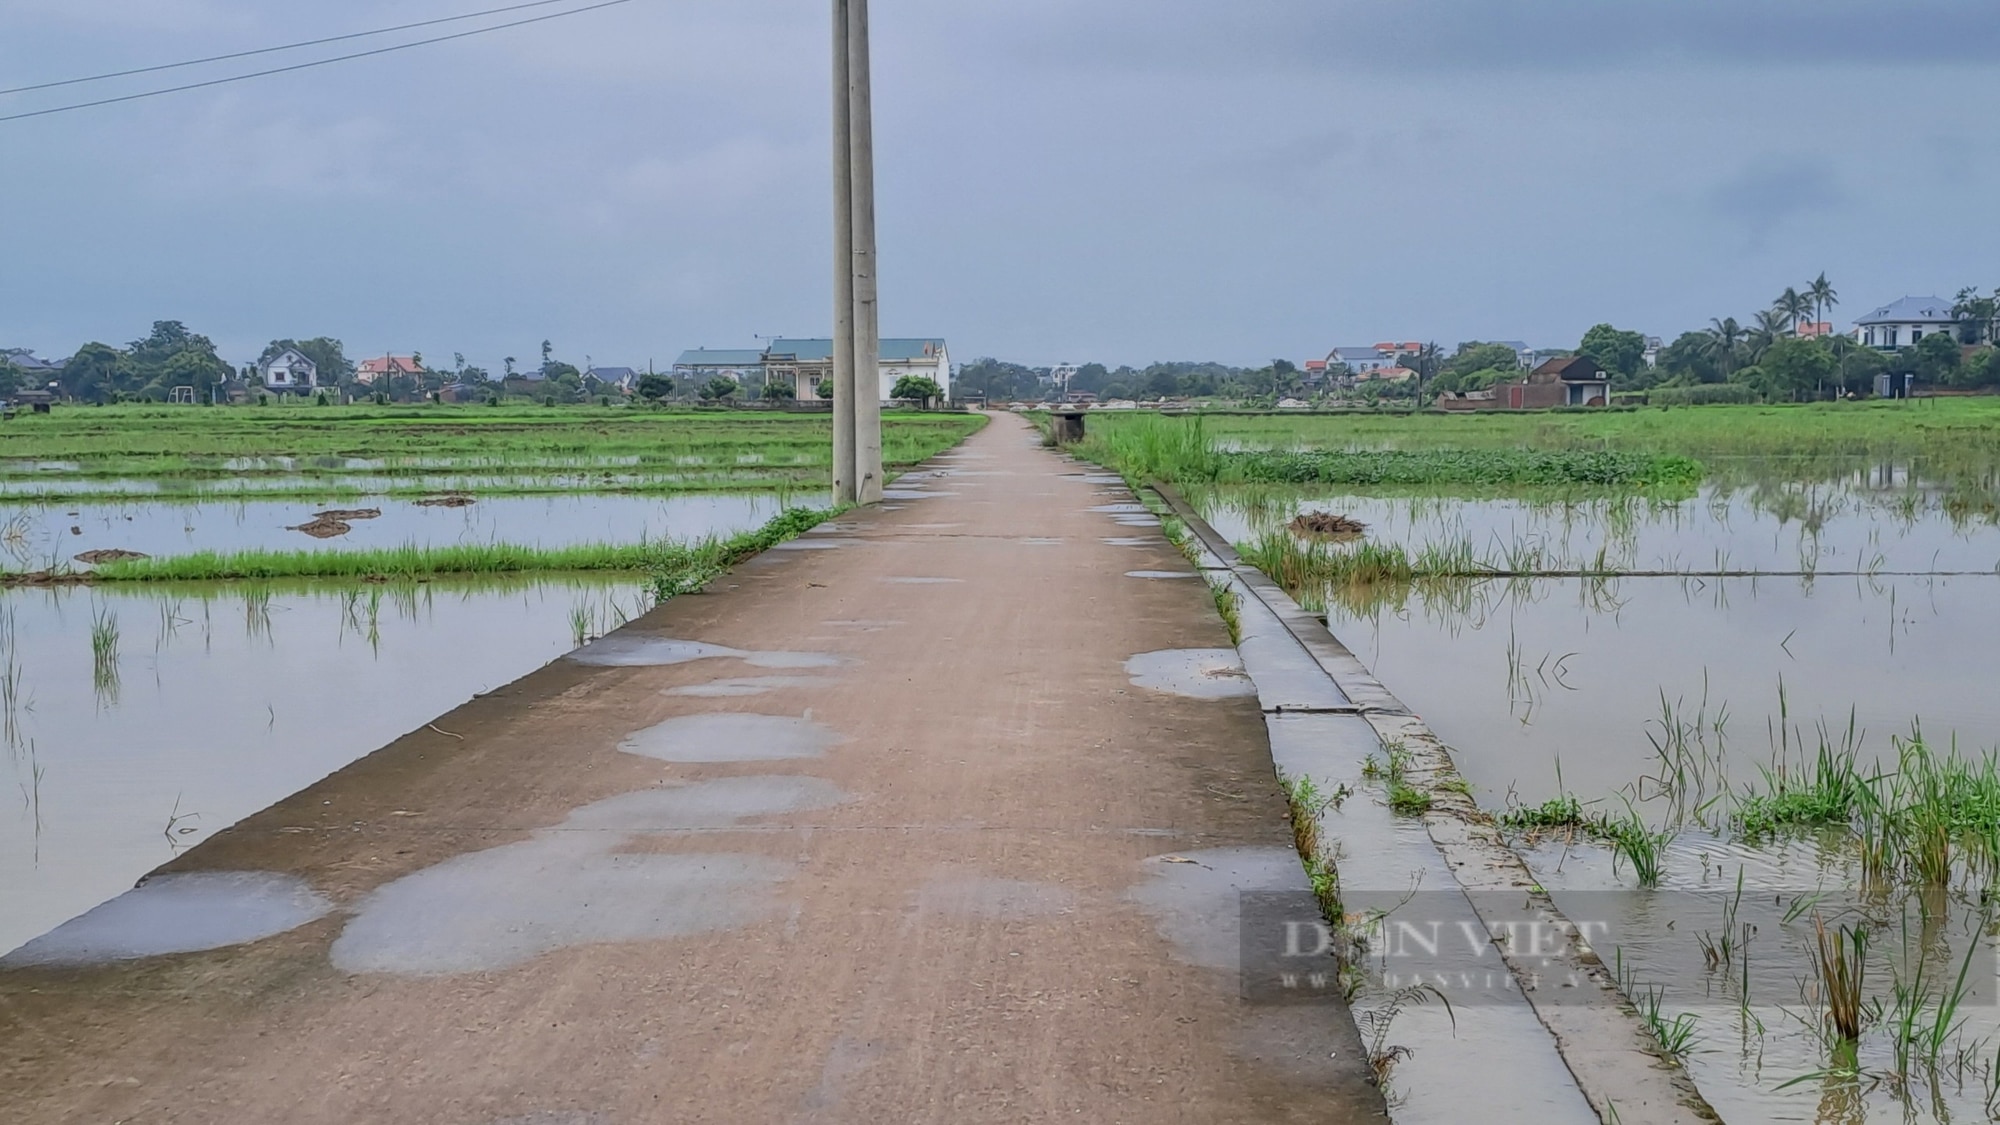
x: 330, y: 451
x: 674, y: 568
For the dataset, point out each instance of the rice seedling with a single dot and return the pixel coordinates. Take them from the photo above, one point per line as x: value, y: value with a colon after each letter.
x: 582, y: 624
x: 1840, y: 960
x: 1676, y: 1037
x: 1720, y: 952
x: 1636, y: 843
x: 14, y: 700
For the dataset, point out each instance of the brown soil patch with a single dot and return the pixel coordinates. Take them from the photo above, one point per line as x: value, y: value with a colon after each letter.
x: 114, y: 555
x: 1326, y: 525
x: 346, y: 514
x: 452, y: 501
x: 321, y: 527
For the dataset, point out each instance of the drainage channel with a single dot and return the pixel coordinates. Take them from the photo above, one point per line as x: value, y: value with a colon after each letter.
x: 1536, y: 1028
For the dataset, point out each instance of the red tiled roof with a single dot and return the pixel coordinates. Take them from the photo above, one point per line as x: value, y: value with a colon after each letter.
x: 391, y: 365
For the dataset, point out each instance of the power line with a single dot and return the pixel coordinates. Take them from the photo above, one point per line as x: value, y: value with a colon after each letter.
x: 308, y: 65
x: 285, y: 47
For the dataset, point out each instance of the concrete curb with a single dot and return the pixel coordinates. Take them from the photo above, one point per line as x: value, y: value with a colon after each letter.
x: 1616, y: 1063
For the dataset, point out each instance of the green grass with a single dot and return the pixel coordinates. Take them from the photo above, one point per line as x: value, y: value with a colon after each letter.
x: 1906, y: 427
x: 204, y: 444
x: 675, y: 567
x: 1496, y: 467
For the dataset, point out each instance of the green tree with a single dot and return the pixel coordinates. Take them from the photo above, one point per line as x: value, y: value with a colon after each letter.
x: 1936, y: 358
x: 1690, y: 359
x: 1795, y: 368
x: 1976, y: 315
x: 1090, y: 377
x: 1619, y: 351
x: 93, y: 373
x: 1793, y: 306
x: 776, y: 391
x: 1725, y: 338
x: 1477, y: 356
x: 717, y: 389
x: 824, y: 389
x: 653, y: 386
x: 917, y: 388
x: 1822, y: 296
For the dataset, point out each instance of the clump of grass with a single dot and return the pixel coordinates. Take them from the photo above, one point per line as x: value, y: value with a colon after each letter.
x: 1635, y: 842
x: 1229, y: 604
x: 677, y: 567
x: 1526, y: 467
x: 1840, y: 960
x: 1392, y: 770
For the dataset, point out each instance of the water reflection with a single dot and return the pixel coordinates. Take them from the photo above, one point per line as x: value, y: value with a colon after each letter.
x: 37, y: 536
x: 139, y: 721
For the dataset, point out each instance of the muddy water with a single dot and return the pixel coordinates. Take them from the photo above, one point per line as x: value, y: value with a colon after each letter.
x: 220, y: 700
x: 35, y: 536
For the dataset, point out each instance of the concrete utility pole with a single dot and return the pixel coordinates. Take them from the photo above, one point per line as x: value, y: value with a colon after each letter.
x: 843, y: 267
x: 857, y: 404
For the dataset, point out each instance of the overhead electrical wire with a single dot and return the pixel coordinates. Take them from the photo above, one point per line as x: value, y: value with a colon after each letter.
x: 313, y: 63
x: 284, y: 47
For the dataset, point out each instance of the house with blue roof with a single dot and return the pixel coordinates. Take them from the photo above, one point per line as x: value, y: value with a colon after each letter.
x: 1904, y: 322
x: 802, y: 363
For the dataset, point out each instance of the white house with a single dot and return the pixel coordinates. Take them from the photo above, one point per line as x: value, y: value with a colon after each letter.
x: 289, y: 370
x: 803, y: 363
x: 925, y: 358
x: 1360, y: 361
x: 1905, y: 322
x: 734, y: 364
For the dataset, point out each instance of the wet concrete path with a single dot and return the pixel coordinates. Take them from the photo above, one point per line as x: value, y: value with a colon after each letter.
x: 939, y: 814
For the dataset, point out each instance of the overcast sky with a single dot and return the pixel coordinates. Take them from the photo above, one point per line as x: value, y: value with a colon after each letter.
x: 1110, y: 180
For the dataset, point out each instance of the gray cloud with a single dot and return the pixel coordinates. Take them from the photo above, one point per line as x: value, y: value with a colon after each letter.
x: 1121, y: 180
x: 1768, y: 190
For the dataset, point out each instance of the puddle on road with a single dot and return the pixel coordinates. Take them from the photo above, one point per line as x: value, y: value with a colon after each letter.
x: 1198, y: 673
x: 1161, y: 574
x: 636, y: 650
x: 181, y: 913
x: 508, y: 905
x: 733, y: 738
x: 569, y: 886
x: 1130, y: 540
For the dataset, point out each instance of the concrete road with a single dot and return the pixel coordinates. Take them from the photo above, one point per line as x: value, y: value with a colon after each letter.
x: 881, y: 829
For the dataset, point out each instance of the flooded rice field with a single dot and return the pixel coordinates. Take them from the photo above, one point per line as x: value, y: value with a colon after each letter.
x: 137, y: 722
x: 37, y: 536
x: 1759, y: 733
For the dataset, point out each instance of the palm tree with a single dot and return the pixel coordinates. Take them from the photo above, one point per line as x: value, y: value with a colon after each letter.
x: 1791, y: 305
x: 1821, y: 294
x: 1770, y: 327
x: 1723, y: 337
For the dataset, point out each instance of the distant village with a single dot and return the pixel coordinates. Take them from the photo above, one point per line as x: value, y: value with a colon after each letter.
x: 176, y: 365
x: 1791, y: 351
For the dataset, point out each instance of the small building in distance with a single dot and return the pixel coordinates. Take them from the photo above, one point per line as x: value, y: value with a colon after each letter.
x: 28, y: 363
x: 1565, y: 381
x: 1904, y: 322
x: 733, y: 364
x: 801, y: 364
x: 1359, y: 361
x: 624, y: 378
x: 289, y: 372
x: 381, y: 367
x: 1570, y: 381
